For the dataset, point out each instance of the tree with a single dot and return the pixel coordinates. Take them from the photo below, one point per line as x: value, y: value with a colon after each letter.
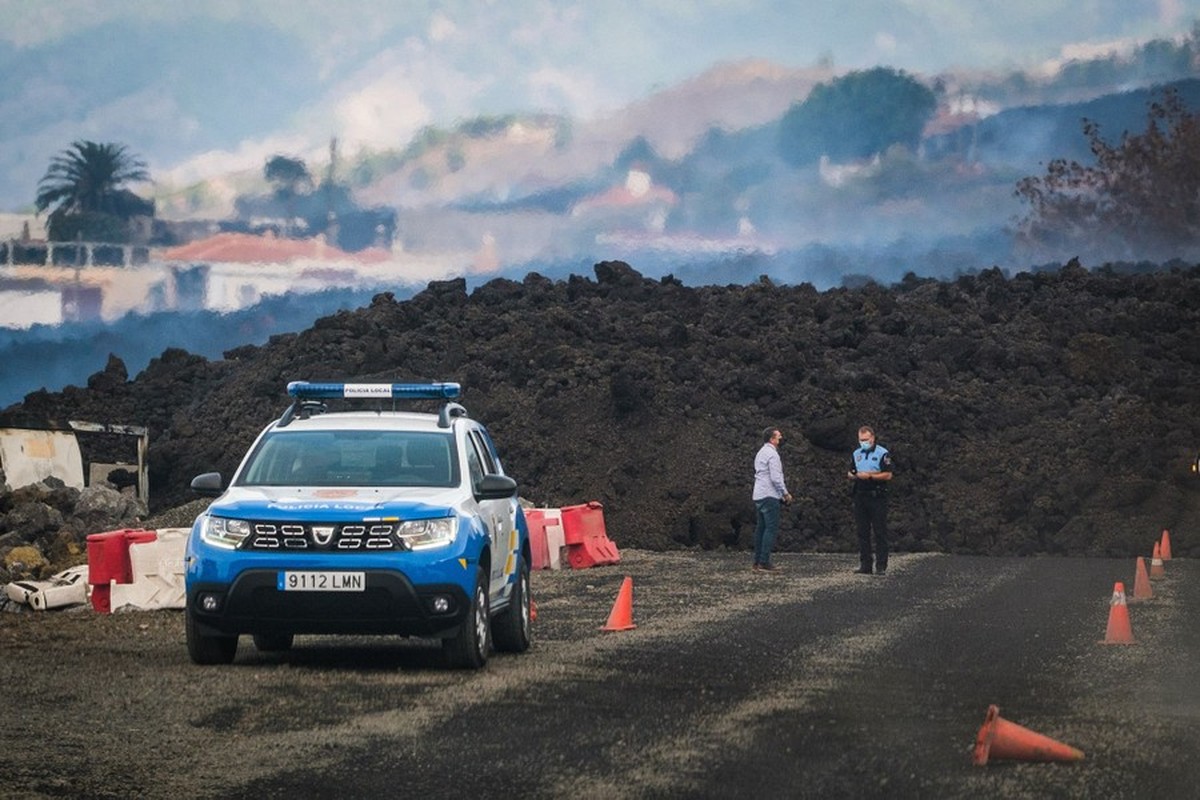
x: 291, y: 178
x: 85, y: 186
x: 308, y: 209
x: 287, y: 174
x: 1141, y: 198
x: 856, y: 116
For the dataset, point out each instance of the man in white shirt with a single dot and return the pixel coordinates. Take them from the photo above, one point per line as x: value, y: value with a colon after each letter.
x: 770, y: 491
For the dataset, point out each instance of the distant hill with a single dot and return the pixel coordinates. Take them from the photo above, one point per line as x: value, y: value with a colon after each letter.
x: 1029, y: 136
x: 510, y: 183
x: 714, y: 143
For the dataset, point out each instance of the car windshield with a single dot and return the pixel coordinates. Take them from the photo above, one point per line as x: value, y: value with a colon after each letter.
x: 353, y: 458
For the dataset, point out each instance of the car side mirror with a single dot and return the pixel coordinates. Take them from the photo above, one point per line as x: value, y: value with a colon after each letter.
x: 208, y: 484
x: 495, y: 487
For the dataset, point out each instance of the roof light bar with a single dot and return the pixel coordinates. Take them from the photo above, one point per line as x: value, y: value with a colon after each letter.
x: 356, y: 391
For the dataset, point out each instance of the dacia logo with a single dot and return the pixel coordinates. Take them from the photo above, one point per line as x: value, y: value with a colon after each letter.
x: 322, y: 534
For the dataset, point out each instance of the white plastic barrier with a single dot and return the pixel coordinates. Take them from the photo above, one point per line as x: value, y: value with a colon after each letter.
x: 157, y: 569
x: 555, y: 542
x: 66, y: 588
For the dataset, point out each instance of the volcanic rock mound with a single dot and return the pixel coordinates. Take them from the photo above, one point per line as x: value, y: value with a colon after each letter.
x: 1049, y: 412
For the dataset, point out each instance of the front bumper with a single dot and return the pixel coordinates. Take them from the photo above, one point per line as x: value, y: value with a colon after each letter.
x: 389, y: 604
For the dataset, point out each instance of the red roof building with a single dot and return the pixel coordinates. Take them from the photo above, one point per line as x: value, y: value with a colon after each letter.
x: 245, y: 248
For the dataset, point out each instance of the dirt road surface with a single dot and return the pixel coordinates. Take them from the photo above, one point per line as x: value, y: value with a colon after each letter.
x: 814, y: 682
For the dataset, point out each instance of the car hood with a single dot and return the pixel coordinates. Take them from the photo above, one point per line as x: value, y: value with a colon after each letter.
x: 332, y: 505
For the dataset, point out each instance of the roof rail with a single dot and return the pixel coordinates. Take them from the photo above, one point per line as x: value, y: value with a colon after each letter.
x: 448, y: 413
x: 306, y: 409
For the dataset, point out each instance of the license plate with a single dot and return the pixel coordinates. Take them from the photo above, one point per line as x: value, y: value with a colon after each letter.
x: 321, y: 582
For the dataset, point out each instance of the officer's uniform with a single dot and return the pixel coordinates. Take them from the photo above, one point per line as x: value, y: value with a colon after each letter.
x: 870, y: 506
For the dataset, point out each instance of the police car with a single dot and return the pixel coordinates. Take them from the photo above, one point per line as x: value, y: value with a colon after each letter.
x: 376, y: 521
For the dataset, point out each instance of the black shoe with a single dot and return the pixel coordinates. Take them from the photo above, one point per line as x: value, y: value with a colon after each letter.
x: 863, y: 571
x: 881, y: 571
x: 757, y: 567
x: 769, y: 568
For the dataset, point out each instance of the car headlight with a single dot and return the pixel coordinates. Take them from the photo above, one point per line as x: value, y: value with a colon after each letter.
x: 422, y: 534
x: 224, y: 532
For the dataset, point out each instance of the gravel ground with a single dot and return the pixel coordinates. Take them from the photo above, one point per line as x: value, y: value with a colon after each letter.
x: 810, y: 683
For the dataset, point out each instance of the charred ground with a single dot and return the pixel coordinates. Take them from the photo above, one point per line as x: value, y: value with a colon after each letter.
x: 1048, y: 412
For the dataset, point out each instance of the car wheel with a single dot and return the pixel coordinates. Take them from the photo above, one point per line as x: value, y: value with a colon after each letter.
x: 468, y: 649
x: 208, y: 649
x: 273, y: 642
x: 512, y: 628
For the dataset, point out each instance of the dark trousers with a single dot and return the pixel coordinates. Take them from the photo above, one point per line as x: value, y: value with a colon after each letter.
x: 870, y: 513
x: 765, y: 529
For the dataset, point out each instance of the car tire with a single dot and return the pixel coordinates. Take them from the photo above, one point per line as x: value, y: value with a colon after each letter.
x: 273, y: 642
x: 468, y: 648
x: 208, y: 649
x: 512, y: 629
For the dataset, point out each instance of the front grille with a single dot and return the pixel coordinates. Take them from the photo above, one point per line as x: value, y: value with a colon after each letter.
x: 324, y: 538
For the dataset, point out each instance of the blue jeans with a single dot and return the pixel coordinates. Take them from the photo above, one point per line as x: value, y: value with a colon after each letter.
x: 766, y: 529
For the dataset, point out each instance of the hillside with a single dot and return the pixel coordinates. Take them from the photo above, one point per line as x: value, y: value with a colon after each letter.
x: 1049, y: 412
x: 529, y: 191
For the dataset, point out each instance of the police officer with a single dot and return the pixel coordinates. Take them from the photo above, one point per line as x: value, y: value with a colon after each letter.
x: 870, y: 470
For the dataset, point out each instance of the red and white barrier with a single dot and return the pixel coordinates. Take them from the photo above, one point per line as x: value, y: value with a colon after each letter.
x: 543, y: 554
x: 156, y: 568
x: 129, y: 568
x: 572, y: 536
x: 108, y: 562
x: 134, y: 568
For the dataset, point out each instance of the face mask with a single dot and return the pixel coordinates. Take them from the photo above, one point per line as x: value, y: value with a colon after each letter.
x: 866, y: 445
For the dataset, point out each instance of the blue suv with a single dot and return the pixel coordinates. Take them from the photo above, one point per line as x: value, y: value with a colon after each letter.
x: 374, y: 521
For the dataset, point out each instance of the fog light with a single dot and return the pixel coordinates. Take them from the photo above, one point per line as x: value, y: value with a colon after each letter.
x: 441, y: 604
x: 210, y: 602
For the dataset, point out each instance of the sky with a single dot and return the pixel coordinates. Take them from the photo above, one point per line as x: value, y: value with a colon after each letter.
x: 597, y: 51
x: 378, y: 71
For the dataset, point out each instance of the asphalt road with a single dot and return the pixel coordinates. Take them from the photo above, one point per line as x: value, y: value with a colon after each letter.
x: 810, y: 683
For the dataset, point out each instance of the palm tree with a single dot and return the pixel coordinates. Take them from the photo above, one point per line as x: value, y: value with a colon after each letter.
x: 85, y: 185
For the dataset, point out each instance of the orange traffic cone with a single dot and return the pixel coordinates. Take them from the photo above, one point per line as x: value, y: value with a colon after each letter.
x: 1118, y: 631
x: 532, y: 610
x: 1156, y: 565
x: 621, y: 618
x: 1164, y: 548
x: 1141, y: 582
x: 999, y: 738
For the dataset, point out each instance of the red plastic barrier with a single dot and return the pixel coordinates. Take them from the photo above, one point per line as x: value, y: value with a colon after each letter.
x: 105, y: 556
x: 582, y: 522
x: 102, y: 599
x: 588, y: 544
x: 535, y: 520
x: 108, y: 560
